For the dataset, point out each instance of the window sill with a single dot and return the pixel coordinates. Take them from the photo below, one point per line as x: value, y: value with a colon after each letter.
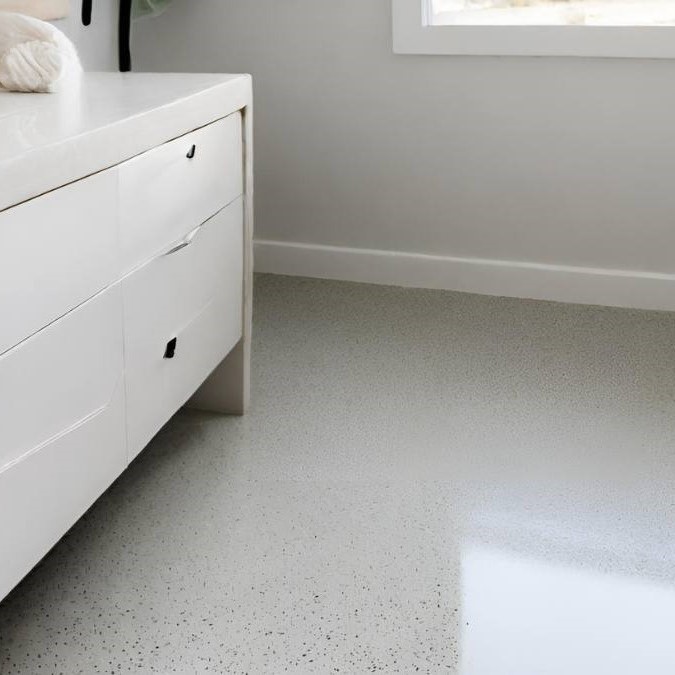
x: 413, y: 36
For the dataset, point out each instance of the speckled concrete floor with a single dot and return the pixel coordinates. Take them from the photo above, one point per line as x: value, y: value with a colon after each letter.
x: 427, y: 482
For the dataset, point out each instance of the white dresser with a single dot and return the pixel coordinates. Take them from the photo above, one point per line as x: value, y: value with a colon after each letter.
x: 125, y: 284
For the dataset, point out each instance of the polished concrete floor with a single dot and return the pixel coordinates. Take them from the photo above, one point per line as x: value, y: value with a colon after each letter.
x: 427, y: 482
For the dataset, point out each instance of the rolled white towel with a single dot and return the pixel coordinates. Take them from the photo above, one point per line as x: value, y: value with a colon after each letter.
x: 34, y: 55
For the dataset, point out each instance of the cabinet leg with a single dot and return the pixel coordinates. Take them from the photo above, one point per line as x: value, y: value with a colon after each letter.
x: 226, y: 390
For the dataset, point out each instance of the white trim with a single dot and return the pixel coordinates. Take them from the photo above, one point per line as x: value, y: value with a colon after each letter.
x: 412, y: 35
x: 562, y: 283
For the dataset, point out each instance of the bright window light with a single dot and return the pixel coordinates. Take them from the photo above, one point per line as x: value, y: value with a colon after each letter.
x: 551, y: 13
x: 583, y: 28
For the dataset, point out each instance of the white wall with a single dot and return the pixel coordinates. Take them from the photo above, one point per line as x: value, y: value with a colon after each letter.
x: 97, y: 43
x: 564, y: 162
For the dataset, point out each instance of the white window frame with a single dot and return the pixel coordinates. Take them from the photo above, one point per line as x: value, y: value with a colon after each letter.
x: 414, y: 35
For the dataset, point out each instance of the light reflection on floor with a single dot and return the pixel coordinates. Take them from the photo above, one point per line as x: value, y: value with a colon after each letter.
x: 524, y: 615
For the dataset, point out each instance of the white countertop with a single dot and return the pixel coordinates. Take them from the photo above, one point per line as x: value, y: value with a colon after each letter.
x: 49, y: 140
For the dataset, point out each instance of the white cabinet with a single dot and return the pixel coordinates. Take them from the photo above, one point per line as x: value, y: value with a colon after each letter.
x: 120, y: 294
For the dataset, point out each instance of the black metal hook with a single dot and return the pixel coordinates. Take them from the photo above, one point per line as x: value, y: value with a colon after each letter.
x: 86, y: 12
x: 124, y: 36
x: 123, y: 31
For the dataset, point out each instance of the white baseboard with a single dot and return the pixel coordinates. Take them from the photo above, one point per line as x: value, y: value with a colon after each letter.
x: 562, y: 283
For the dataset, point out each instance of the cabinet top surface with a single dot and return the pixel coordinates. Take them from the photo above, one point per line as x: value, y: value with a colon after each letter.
x: 49, y: 140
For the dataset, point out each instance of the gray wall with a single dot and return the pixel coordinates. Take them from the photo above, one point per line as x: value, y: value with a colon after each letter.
x: 563, y: 161
x: 96, y: 44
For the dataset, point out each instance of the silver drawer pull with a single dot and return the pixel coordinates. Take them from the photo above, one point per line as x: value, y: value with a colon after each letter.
x: 186, y: 242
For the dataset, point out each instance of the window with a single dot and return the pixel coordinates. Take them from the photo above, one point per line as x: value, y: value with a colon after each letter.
x: 552, y: 12
x: 604, y: 28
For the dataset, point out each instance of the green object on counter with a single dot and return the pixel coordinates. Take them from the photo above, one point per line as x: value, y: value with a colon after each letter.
x: 141, y: 8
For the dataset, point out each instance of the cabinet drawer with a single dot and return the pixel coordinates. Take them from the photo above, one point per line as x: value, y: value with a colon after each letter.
x: 192, y: 294
x: 164, y: 193
x: 62, y: 434
x: 60, y: 376
x: 45, y: 493
x: 56, y: 251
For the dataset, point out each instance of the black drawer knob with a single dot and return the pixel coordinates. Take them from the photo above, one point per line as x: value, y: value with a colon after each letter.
x: 191, y: 154
x: 170, y: 350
